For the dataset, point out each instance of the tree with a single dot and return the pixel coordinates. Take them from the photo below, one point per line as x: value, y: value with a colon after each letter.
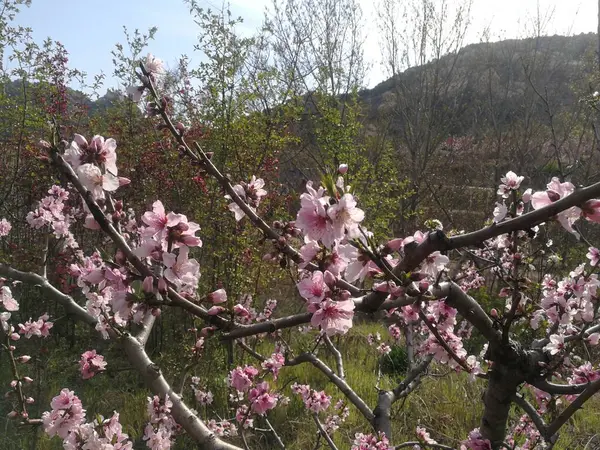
x: 537, y: 336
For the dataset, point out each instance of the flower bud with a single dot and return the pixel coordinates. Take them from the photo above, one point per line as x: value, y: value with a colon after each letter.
x: 148, y: 284
x: 207, y: 331
x: 342, y: 169
x: 218, y: 296
x: 13, y: 414
x: 24, y: 358
x: 329, y: 279
x: 215, y: 310
x: 28, y: 379
x: 494, y: 313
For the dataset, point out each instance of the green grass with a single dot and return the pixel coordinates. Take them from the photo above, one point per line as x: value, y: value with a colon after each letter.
x: 446, y: 403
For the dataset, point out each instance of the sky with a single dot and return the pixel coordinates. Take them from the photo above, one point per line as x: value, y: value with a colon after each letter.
x: 89, y: 29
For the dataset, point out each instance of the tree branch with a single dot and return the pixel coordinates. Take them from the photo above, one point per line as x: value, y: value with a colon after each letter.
x: 71, y: 307
x: 573, y: 407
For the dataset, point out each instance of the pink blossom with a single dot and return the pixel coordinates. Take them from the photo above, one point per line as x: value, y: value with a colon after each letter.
x: 500, y: 212
x: 250, y: 193
x: 5, y: 227
x: 476, y: 442
x: 556, y: 345
x: 242, y: 415
x: 218, y: 296
x: 312, y: 217
x: 333, y: 317
x: 262, y: 399
x: 370, y: 442
x: 204, y: 398
x: 274, y: 364
x: 434, y: 263
x: 7, y: 301
x: 557, y: 190
x: 384, y: 349
x: 40, y: 327
x: 241, y: 378
x: 312, y: 287
x: 308, y: 252
x: 342, y: 169
x: 157, y: 439
x: 90, y: 364
x: 94, y: 181
x: 157, y: 220
x: 345, y: 216
x: 215, y: 310
x: 509, y: 182
x: 67, y: 413
x: 591, y: 210
x: 423, y: 436
x: 170, y: 228
x: 593, y: 338
x: 593, y: 255
x: 99, y: 151
x: 153, y: 65
x: 181, y: 271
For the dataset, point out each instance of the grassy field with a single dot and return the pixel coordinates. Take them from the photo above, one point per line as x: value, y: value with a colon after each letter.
x: 447, y: 404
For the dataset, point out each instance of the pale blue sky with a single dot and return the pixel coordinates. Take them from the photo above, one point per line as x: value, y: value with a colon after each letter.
x: 89, y: 29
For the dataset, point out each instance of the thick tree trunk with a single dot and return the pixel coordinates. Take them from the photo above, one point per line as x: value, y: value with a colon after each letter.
x: 502, y: 386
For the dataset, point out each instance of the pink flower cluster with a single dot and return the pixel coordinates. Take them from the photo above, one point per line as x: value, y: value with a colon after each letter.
x: 315, y: 401
x: 328, y: 219
x: 423, y: 436
x: 99, y: 435
x: 54, y: 213
x: 162, y: 235
x: 510, y: 182
x: 567, y: 304
x: 476, y: 442
x: 159, y: 432
x: 273, y: 364
x: 371, y: 442
x: 241, y: 378
x: 335, y: 420
x: 556, y: 191
x: 40, y: 327
x: 95, y: 164
x: 582, y: 375
x: 90, y: 364
x: 203, y: 397
x: 332, y: 308
x: 222, y: 428
x: 5, y: 227
x: 262, y: 398
x: 7, y: 301
x: 66, y: 415
x: 67, y: 420
x: 251, y: 193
